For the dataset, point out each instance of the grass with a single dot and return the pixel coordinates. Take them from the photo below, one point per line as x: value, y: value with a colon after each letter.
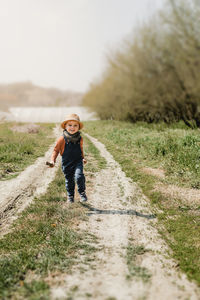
x: 176, y: 149
x: 184, y: 227
x: 95, y: 161
x: 18, y: 150
x: 45, y: 241
x: 135, y: 270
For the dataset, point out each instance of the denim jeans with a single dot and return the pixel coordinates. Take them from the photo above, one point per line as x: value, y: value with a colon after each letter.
x: 74, y: 174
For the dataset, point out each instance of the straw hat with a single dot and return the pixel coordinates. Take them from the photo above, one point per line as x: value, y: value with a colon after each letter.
x: 72, y: 117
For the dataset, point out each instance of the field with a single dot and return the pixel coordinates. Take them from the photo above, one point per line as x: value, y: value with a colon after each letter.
x: 175, y: 152
x: 55, y: 249
x: 174, y: 149
x: 20, y: 149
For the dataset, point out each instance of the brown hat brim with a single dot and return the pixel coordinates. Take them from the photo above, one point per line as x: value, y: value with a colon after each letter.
x: 65, y: 122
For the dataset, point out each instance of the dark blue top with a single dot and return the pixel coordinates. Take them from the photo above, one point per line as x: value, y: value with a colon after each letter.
x: 72, y: 153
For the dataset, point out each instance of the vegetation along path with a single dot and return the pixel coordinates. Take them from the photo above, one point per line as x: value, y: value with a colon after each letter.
x: 132, y: 260
x: 17, y: 193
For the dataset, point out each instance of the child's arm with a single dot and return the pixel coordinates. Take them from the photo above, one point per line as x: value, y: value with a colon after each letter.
x: 81, y: 145
x: 57, y: 149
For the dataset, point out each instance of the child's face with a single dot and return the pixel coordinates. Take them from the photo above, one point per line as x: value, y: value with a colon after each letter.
x: 72, y: 127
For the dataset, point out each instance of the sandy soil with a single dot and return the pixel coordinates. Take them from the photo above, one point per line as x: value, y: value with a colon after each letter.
x: 119, y: 215
x: 17, y: 193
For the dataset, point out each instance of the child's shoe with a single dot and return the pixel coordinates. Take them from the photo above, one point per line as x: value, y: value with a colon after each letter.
x: 83, y: 197
x: 70, y: 199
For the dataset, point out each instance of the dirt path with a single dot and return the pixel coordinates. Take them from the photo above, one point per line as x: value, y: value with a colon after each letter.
x: 119, y: 216
x: 17, y: 193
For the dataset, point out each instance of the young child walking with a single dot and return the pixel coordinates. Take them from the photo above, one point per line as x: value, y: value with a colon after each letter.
x: 70, y: 147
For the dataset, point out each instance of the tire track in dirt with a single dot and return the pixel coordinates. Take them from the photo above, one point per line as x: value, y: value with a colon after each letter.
x: 17, y: 193
x: 119, y: 215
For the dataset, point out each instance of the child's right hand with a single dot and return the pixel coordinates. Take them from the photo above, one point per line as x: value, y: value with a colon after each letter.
x: 51, y: 164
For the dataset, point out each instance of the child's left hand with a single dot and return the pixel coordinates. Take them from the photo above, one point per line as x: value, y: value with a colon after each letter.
x: 84, y: 161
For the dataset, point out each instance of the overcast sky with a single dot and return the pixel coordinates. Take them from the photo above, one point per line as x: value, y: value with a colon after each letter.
x: 63, y: 43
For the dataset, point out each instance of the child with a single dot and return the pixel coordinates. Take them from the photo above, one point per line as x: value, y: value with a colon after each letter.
x: 70, y: 147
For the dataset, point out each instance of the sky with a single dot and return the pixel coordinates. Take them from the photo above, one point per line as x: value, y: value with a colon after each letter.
x: 64, y: 43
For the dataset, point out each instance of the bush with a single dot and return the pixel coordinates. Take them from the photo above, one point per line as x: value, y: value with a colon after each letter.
x: 156, y: 76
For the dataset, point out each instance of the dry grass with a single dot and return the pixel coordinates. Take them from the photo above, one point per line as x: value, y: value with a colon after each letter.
x: 155, y: 172
x: 27, y: 128
x: 187, y: 196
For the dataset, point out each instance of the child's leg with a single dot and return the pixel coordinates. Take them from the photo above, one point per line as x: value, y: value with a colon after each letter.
x: 69, y: 183
x: 80, y: 178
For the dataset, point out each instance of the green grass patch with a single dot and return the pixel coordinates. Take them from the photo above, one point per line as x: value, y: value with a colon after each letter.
x: 135, y: 270
x: 95, y: 161
x: 18, y: 150
x: 184, y: 228
x: 174, y: 148
x: 34, y: 290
